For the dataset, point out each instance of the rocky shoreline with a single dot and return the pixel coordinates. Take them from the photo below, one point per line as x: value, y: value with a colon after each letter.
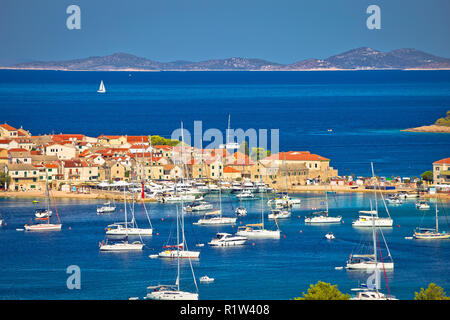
x: 432, y: 129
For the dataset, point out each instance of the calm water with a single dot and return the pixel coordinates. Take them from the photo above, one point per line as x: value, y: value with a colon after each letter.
x: 366, y: 110
x: 34, y: 265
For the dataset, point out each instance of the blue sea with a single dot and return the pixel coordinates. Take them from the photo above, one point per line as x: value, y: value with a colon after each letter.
x: 34, y: 265
x: 365, y: 109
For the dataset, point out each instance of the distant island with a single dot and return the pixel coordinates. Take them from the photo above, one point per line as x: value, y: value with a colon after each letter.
x: 442, y: 125
x: 357, y: 59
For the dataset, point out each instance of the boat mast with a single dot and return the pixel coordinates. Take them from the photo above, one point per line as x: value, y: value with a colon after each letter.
x: 437, y: 223
x: 373, y: 232
x: 182, y: 161
x: 326, y: 195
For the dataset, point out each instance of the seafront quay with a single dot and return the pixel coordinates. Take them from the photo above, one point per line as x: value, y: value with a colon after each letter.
x: 78, y: 166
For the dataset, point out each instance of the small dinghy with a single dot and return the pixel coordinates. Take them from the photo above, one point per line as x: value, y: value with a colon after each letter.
x: 206, y: 279
x: 330, y: 236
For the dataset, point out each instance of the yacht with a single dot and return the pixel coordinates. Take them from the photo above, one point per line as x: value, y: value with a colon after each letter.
x: 43, y: 213
x: 101, y: 89
x: 322, y: 217
x: 245, y: 194
x: 123, y: 245
x: 169, y: 292
x: 241, y: 211
x: 422, y: 205
x: 371, y: 294
x: 368, y: 218
x: 370, y: 261
x: 106, y: 208
x: 206, y: 279
x: 431, y: 234
x: 279, y: 214
x: 224, y: 239
x: 198, y: 206
x: 123, y: 228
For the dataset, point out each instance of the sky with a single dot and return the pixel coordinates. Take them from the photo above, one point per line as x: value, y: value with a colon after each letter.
x: 283, y: 31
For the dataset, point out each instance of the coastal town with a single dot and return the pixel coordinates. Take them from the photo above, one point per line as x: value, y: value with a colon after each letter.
x: 76, y: 165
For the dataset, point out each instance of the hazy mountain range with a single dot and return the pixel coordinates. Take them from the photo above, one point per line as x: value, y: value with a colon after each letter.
x: 361, y: 58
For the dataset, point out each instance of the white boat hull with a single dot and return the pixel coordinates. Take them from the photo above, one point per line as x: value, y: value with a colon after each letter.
x: 260, y: 234
x: 215, y: 221
x: 180, y: 253
x: 380, y: 222
x: 122, y: 247
x: 172, y: 295
x: 323, y: 220
x: 43, y: 227
x: 129, y: 232
x: 370, y: 266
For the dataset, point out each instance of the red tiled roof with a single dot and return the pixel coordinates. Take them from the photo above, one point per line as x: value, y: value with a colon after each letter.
x: 17, y: 150
x: 7, y: 127
x: 137, y: 139
x: 443, y: 161
x: 230, y: 170
x: 296, y: 156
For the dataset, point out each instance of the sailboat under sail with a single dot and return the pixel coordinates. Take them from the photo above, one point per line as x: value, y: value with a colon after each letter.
x: 102, y: 88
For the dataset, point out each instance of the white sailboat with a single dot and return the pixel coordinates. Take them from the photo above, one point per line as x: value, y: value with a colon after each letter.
x: 180, y: 250
x: 45, y: 226
x: 102, y: 88
x: 257, y: 231
x: 218, y: 218
x: 368, y: 217
x: 120, y: 229
x: 322, y: 216
x: 370, y: 261
x: 429, y: 233
x: 44, y: 213
x: 129, y: 228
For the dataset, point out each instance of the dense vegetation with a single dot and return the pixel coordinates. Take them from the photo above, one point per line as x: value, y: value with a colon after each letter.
x: 444, y: 121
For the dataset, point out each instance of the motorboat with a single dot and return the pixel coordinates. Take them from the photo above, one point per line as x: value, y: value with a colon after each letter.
x: 106, y: 208
x: 43, y: 213
x: 241, y: 211
x: 206, y: 279
x: 224, y: 239
x: 198, y: 206
x: 216, y: 221
x: 422, y: 205
x: 245, y: 194
x: 279, y: 214
x: 330, y: 236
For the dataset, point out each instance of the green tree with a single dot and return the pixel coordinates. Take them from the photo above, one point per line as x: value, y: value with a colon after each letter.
x: 259, y: 153
x: 243, y: 148
x: 433, y: 292
x: 323, y: 291
x: 427, y: 176
x: 5, y: 179
x: 158, y: 140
